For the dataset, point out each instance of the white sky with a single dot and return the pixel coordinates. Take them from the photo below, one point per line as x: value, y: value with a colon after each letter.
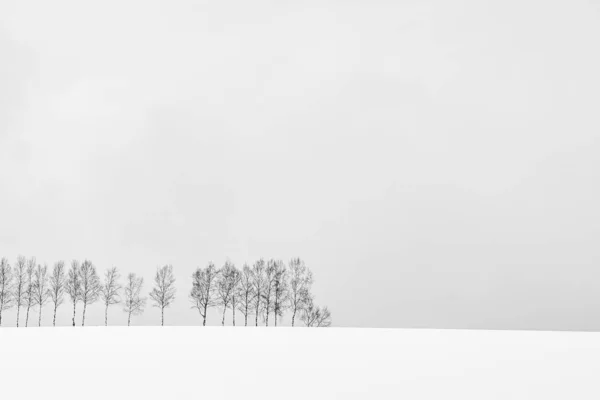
x: 435, y: 163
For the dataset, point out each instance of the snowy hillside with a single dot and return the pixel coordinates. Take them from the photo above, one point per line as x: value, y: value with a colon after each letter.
x: 296, y: 363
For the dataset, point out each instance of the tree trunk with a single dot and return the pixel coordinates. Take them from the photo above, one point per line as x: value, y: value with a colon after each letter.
x: 129, y: 319
x: 83, y: 318
x: 267, y: 315
x: 18, y: 312
x: 54, y: 318
x: 162, y: 317
x: 223, y: 320
x: 106, y: 316
x: 256, y: 316
x: 233, y: 315
x: 74, y: 310
x: 27, y: 317
x: 293, y: 317
x: 1, y: 308
x: 40, y: 317
x: 204, y: 316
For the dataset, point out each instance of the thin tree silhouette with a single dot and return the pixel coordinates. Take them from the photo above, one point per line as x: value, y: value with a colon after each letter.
x: 258, y: 284
x: 20, y: 276
x: 57, y: 287
x: 6, y: 299
x: 245, y: 293
x: 301, y: 280
x: 226, y: 287
x: 236, y: 277
x: 73, y: 286
x: 268, y: 292
x: 163, y: 294
x: 109, y: 291
x: 40, y: 289
x: 29, y: 297
x: 280, y: 290
x: 134, y: 302
x: 204, y: 286
x: 90, y: 286
x: 314, y: 316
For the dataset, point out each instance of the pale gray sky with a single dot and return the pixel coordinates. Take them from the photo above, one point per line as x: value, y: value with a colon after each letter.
x: 436, y: 163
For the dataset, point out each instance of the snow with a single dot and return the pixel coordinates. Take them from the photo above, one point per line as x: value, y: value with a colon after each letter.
x: 296, y: 363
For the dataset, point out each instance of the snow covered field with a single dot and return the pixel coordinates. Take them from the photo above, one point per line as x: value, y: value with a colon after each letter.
x: 299, y: 363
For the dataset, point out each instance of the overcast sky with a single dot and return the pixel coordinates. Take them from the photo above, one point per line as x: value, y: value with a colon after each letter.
x: 436, y: 163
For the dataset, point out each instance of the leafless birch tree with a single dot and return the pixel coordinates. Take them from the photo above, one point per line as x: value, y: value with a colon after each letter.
x: 301, y: 280
x: 90, y: 285
x: 134, y: 303
x: 29, y: 293
x: 204, y: 286
x: 258, y: 285
x: 280, y: 290
x: 73, y: 286
x: 323, y: 317
x: 268, y: 289
x: 163, y: 292
x: 226, y: 287
x: 6, y: 299
x: 40, y: 289
x: 236, y: 277
x: 314, y: 316
x: 57, y: 287
x: 20, y: 286
x: 245, y: 293
x: 109, y: 291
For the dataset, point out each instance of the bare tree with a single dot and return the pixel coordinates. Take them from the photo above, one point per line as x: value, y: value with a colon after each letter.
x: 40, y: 289
x: 323, y: 317
x: 57, y: 287
x: 29, y: 293
x: 90, y: 286
x: 301, y: 280
x: 109, y: 291
x: 236, y: 277
x: 258, y: 287
x: 269, y: 286
x: 225, y: 287
x: 6, y: 299
x: 134, y: 303
x: 73, y: 286
x: 245, y: 293
x: 204, y: 286
x: 20, y: 275
x: 314, y: 316
x: 163, y: 293
x: 280, y: 290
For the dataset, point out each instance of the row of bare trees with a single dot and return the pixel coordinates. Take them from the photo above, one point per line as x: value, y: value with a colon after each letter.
x: 265, y: 289
x: 28, y: 285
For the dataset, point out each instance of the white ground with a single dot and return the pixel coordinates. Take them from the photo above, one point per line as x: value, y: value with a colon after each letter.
x: 301, y: 363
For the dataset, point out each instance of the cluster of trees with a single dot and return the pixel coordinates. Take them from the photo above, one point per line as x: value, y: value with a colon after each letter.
x: 265, y: 289
x: 28, y: 285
